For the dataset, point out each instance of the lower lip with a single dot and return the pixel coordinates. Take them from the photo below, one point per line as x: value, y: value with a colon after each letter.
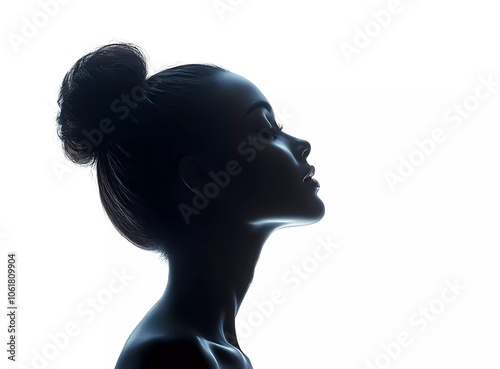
x: 312, y: 182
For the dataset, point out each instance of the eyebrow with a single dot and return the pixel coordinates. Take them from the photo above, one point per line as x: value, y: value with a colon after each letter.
x: 259, y: 104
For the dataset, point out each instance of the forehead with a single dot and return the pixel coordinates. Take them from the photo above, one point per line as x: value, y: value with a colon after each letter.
x: 235, y: 94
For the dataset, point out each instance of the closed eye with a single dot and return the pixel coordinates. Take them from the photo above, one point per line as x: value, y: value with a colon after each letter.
x: 278, y: 125
x: 277, y: 130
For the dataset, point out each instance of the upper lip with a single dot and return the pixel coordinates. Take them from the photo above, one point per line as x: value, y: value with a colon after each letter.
x: 310, y: 173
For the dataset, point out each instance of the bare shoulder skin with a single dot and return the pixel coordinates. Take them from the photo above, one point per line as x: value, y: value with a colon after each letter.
x: 159, y: 342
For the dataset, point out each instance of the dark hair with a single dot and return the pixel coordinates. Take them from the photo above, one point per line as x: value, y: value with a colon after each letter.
x: 134, y: 130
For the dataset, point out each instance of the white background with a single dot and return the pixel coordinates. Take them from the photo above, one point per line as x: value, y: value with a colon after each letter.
x: 395, y: 249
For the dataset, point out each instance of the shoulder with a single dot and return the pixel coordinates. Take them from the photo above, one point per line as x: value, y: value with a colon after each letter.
x: 161, y: 353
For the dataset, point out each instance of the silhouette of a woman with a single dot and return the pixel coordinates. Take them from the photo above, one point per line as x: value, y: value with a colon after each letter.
x: 191, y: 164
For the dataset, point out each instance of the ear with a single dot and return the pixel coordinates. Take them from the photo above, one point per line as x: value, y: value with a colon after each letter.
x: 193, y: 173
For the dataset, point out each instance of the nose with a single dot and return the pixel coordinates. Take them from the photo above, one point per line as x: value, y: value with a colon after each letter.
x: 303, y: 148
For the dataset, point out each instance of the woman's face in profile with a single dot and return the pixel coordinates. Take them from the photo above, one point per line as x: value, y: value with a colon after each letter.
x: 270, y: 186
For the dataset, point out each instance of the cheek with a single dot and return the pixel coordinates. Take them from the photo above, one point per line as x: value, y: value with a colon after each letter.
x: 279, y: 164
x: 261, y: 169
x: 275, y: 172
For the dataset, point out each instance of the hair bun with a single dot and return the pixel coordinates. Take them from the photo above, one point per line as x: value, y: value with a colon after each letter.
x: 89, y: 95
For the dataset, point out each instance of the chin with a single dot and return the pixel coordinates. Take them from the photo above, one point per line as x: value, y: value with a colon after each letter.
x: 311, y: 213
x: 290, y: 211
x: 315, y: 212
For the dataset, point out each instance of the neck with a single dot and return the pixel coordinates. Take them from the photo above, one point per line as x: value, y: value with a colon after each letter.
x: 206, y: 285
